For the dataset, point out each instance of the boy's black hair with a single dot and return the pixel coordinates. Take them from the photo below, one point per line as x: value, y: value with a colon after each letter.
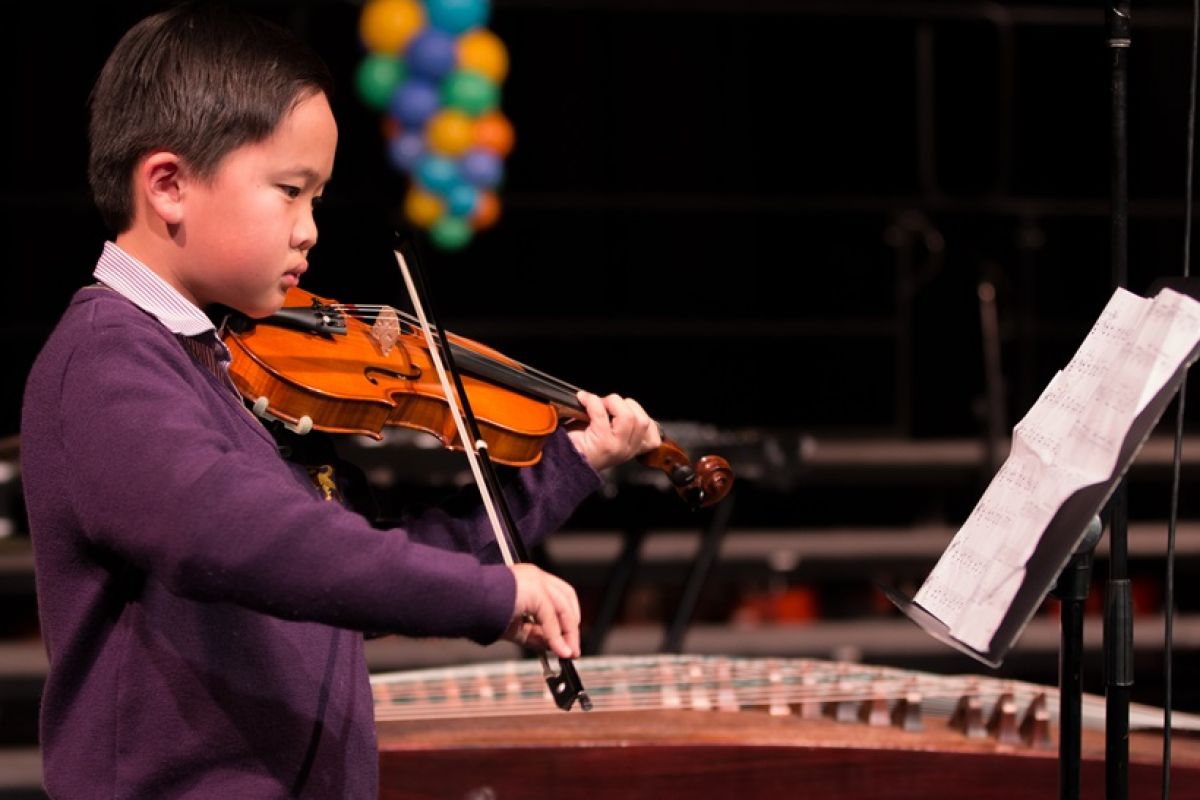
x: 199, y: 81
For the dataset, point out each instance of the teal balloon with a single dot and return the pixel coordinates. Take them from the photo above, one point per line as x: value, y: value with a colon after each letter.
x: 450, y: 233
x: 377, y: 77
x: 461, y: 200
x: 470, y: 92
x: 456, y: 16
x: 437, y: 174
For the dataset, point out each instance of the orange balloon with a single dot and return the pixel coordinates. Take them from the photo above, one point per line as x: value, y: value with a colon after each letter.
x: 482, y: 51
x: 494, y: 132
x: 449, y: 132
x: 423, y: 208
x: 386, y: 26
x: 487, y: 211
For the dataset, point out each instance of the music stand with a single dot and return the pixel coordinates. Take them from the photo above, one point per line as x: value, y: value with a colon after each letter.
x: 1058, y: 543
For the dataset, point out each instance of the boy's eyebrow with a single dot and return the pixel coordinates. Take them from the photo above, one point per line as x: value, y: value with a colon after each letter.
x: 310, y: 175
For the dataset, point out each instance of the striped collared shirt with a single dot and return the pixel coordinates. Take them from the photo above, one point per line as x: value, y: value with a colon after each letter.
x: 132, y: 279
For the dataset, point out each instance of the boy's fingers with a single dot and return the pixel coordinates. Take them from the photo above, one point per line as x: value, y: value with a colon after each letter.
x: 552, y: 631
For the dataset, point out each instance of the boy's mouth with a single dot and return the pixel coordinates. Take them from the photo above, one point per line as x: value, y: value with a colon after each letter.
x: 292, y: 276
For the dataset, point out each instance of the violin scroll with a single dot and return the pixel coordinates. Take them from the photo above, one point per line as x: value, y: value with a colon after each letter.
x: 700, y: 485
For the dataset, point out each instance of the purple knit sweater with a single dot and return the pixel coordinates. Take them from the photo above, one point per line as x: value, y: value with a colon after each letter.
x: 200, y: 603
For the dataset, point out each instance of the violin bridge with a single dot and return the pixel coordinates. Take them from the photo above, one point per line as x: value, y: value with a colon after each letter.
x: 386, y: 330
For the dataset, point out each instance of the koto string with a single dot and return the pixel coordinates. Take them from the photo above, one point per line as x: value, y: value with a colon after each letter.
x: 696, y: 684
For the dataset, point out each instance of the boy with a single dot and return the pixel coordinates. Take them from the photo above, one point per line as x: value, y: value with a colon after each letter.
x: 200, y: 602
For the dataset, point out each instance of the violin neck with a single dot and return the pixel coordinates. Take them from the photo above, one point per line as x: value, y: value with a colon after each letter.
x: 529, y: 384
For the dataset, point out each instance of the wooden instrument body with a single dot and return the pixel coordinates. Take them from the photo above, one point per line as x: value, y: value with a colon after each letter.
x: 701, y: 727
x: 744, y: 755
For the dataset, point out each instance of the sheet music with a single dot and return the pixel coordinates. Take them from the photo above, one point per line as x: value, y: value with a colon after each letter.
x: 1069, y: 439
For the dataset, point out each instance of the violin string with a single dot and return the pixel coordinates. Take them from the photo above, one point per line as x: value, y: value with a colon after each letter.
x: 522, y: 369
x: 369, y: 312
x: 409, y: 318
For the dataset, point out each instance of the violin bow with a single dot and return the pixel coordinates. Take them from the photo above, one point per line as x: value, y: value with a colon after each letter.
x: 565, y: 686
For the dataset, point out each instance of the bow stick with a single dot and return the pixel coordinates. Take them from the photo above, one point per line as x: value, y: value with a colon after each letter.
x: 565, y: 685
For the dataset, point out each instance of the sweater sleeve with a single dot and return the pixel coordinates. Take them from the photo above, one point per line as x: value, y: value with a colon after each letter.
x: 158, y: 480
x: 541, y: 499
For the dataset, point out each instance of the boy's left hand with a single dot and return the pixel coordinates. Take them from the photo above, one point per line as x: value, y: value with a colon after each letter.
x: 617, y: 430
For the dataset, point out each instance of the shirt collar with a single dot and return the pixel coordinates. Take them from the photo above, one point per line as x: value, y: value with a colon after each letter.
x: 141, y: 286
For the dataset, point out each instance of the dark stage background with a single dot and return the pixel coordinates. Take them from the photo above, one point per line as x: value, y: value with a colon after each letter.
x: 722, y: 208
x: 770, y: 217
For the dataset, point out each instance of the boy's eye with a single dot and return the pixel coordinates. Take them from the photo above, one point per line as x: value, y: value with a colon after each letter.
x: 318, y: 200
x: 291, y: 191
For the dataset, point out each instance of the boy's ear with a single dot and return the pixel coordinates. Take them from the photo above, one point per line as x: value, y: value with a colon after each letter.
x: 159, y: 182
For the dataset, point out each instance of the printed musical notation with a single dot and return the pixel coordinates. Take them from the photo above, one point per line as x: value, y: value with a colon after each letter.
x: 1071, y: 438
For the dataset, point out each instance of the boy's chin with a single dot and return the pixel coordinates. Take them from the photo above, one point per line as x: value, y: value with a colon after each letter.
x: 259, y: 310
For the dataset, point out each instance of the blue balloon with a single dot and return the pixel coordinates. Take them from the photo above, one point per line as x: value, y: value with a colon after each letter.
x: 461, y: 199
x: 431, y: 54
x: 414, y: 102
x: 456, y: 16
x: 482, y: 168
x: 406, y: 149
x: 437, y: 174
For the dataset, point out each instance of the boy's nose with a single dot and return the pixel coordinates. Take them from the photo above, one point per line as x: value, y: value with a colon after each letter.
x: 304, y: 234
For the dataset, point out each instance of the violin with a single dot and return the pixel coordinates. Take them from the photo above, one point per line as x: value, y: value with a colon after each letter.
x: 319, y: 364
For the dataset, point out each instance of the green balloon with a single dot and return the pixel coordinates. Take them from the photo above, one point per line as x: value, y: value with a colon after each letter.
x: 450, y: 233
x: 470, y: 92
x: 377, y: 77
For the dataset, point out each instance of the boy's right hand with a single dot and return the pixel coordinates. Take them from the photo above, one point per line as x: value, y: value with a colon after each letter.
x: 552, y: 606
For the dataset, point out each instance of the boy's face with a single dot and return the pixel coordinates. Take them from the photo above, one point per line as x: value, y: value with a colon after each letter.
x: 248, y: 230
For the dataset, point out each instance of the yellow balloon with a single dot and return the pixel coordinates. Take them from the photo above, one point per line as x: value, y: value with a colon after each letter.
x: 482, y: 51
x: 423, y: 208
x: 386, y: 26
x: 450, y: 132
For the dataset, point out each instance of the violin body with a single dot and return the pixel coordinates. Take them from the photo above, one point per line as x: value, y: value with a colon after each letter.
x: 347, y: 383
x: 314, y: 366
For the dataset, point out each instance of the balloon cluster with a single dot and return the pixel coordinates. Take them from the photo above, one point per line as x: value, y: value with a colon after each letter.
x: 436, y: 72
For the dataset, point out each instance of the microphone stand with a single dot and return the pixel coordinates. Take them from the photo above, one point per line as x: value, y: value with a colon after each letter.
x: 1072, y: 591
x: 1118, y: 610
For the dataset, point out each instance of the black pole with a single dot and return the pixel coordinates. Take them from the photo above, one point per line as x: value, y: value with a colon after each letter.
x: 1072, y: 592
x: 710, y: 548
x: 1118, y: 610
x: 616, y: 589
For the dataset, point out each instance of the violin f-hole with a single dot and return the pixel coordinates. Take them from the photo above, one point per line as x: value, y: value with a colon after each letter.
x: 412, y: 375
